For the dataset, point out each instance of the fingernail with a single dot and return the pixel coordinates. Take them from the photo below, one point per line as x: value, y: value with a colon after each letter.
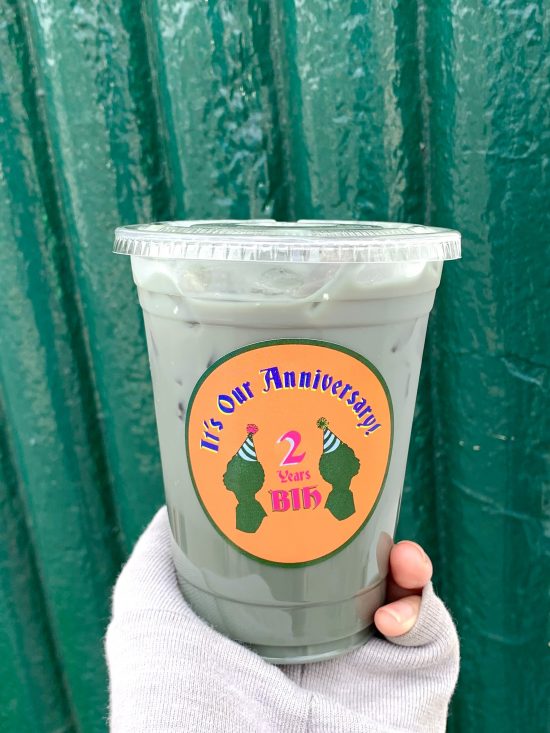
x: 401, y: 611
x: 420, y: 552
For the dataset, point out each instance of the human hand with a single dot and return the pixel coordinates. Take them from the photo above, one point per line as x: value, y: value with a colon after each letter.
x: 410, y: 571
x: 170, y: 671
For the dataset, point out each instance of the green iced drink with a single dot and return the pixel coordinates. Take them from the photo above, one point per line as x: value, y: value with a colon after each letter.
x: 285, y: 360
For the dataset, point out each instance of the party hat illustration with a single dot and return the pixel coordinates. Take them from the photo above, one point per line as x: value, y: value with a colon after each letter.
x: 244, y: 476
x: 337, y: 465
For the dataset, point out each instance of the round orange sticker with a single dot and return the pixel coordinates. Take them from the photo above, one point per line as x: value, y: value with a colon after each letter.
x: 288, y: 444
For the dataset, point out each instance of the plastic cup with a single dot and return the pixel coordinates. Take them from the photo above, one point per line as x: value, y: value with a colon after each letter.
x: 285, y: 360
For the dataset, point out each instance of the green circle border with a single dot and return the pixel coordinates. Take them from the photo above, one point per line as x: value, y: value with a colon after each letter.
x: 281, y: 342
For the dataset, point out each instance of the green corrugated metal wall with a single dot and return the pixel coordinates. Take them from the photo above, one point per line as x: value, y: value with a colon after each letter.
x: 117, y: 112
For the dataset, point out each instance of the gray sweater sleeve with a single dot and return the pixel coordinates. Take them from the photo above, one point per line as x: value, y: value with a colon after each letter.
x: 170, y: 671
x: 402, y: 685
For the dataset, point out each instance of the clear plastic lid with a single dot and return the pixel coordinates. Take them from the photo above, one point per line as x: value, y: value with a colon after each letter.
x: 267, y: 240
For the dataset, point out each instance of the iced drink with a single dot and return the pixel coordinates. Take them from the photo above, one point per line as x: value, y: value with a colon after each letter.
x: 285, y: 360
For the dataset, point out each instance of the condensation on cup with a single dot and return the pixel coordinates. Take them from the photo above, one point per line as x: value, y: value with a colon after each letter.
x: 285, y: 360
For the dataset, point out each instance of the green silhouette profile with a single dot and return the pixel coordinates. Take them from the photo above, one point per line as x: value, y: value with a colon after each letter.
x: 338, y: 465
x: 244, y: 476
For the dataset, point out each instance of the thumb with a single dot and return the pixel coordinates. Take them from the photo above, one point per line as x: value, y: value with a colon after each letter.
x: 398, y: 618
x: 417, y: 621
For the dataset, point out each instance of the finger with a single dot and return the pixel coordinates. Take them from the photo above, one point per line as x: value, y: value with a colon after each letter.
x: 410, y: 570
x: 397, y: 618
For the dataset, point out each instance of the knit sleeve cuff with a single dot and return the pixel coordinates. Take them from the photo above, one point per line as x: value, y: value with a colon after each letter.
x: 434, y: 624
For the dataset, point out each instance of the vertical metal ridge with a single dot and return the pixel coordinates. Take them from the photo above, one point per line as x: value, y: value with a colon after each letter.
x: 77, y: 330
x: 163, y: 111
x: 487, y: 180
x: 407, y: 180
x: 420, y: 492
x: 424, y: 464
x: 287, y: 88
x: 48, y: 703
x: 430, y: 364
x: 49, y: 398
x: 215, y: 105
x: 351, y: 117
x: 266, y: 40
x: 420, y: 518
x: 425, y: 108
x: 428, y: 395
x: 151, y: 122
x: 82, y: 60
x: 435, y: 71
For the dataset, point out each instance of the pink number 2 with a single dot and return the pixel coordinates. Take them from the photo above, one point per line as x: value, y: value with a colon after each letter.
x: 294, y: 438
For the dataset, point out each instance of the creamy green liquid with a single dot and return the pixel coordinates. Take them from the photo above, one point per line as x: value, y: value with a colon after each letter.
x: 197, y: 312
